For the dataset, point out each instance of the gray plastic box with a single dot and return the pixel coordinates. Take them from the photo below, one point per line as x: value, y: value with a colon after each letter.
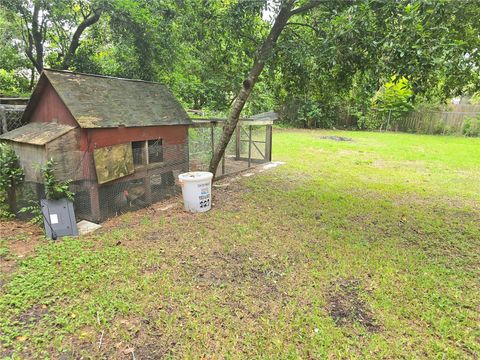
x: 58, y: 218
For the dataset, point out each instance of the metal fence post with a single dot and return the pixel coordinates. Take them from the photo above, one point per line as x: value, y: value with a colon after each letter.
x: 212, y: 137
x: 268, y: 143
x: 249, y: 145
x: 388, y: 120
x: 237, y: 142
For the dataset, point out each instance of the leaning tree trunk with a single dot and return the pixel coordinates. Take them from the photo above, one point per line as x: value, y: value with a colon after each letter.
x: 262, y: 56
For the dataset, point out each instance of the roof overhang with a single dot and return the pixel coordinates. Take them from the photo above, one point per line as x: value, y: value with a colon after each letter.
x: 37, y: 133
x: 266, y: 118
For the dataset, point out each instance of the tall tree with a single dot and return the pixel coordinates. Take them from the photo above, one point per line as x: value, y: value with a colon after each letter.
x: 286, y: 11
x: 14, y: 79
x: 58, y: 25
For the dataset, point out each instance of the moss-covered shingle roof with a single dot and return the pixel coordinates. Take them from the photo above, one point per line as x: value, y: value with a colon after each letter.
x: 37, y: 133
x: 104, y: 102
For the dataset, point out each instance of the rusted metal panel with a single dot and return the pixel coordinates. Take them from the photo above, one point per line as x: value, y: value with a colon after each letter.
x: 113, y: 162
x: 266, y: 116
x: 37, y: 133
x: 105, y: 102
x: 13, y: 101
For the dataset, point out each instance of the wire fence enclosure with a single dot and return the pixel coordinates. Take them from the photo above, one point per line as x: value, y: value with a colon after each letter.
x: 250, y: 145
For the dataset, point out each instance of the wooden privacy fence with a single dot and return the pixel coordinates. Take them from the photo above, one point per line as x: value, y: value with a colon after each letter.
x: 433, y: 122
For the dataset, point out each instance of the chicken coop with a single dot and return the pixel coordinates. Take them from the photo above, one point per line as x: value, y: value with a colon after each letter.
x: 121, y: 142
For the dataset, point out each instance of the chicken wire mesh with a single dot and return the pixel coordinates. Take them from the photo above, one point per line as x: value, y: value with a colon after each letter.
x: 156, y: 167
x: 151, y: 181
x: 11, y: 117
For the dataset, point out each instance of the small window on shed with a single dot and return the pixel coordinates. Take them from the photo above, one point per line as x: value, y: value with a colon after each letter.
x: 155, y: 151
x: 138, y: 150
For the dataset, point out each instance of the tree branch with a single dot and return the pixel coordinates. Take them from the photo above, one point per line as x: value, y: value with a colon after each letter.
x: 27, y: 38
x: 312, y: 4
x: 75, y: 43
x: 306, y: 25
x: 261, y: 57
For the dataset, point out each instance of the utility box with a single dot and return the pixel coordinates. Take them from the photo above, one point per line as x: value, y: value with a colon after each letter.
x: 58, y: 218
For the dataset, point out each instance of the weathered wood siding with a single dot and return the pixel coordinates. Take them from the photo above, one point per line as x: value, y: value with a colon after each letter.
x: 50, y: 107
x: 171, y: 135
x: 65, y: 150
x: 31, y: 158
x: 174, y: 138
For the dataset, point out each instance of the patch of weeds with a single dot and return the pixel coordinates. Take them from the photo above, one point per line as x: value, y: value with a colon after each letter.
x: 56, y: 282
x: 145, y: 221
x: 4, y: 250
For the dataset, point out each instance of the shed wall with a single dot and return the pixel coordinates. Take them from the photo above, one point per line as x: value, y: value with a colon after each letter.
x: 65, y: 150
x: 31, y: 157
x: 50, y: 107
x: 171, y: 135
x: 97, y: 138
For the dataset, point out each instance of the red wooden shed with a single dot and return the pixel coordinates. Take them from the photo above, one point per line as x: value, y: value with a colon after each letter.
x: 122, y: 142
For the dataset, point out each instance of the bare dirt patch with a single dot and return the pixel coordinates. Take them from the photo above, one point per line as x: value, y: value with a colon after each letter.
x: 335, y: 138
x: 237, y: 269
x: 346, y: 307
x: 33, y: 315
x: 225, y: 192
x: 18, y: 240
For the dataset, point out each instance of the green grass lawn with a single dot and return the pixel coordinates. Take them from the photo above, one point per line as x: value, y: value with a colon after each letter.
x: 358, y: 249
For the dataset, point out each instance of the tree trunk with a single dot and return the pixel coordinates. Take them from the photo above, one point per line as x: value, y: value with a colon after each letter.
x: 32, y: 78
x: 36, y: 40
x: 262, y: 56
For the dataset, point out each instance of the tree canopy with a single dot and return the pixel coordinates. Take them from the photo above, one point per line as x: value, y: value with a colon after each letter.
x: 338, y: 54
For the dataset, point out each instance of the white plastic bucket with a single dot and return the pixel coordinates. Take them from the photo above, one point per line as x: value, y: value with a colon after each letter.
x: 196, y: 190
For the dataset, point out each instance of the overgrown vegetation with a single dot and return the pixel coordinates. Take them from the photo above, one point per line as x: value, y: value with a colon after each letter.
x: 471, y: 126
x: 360, y: 249
x: 11, y: 176
x: 54, y: 190
x: 390, y: 104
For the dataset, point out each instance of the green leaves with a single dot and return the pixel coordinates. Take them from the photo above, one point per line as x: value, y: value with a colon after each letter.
x: 395, y: 96
x: 11, y: 173
x: 203, y: 49
x: 471, y: 127
x: 55, y: 189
